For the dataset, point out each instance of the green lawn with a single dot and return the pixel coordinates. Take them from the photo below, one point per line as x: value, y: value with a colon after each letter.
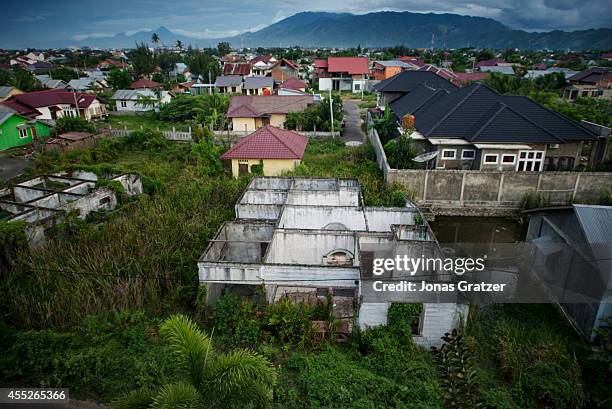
x: 147, y: 120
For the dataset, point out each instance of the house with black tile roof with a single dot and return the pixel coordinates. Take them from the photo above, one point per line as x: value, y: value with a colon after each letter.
x: 477, y: 128
x: 401, y: 84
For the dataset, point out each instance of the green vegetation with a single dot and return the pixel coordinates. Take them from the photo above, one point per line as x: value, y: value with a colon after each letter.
x: 317, y: 116
x: 71, y: 124
x: 547, y: 91
x: 237, y: 379
x: 331, y: 158
x: 85, y: 310
x: 141, y: 121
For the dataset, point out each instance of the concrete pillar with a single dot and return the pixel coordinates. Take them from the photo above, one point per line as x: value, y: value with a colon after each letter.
x: 500, y: 188
x: 270, y: 293
x: 213, y: 292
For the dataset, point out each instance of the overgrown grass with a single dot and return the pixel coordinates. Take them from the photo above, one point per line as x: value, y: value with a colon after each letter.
x: 332, y: 158
x: 142, y: 257
x: 145, y: 120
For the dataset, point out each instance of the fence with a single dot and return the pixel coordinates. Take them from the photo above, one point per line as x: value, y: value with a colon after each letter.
x: 227, y: 136
x: 475, y: 189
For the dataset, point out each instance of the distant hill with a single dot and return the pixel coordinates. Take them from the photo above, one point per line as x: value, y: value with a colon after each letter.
x: 315, y: 29
x: 123, y: 40
x: 387, y: 28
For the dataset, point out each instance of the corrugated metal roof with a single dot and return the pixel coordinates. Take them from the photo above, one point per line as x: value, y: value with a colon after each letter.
x: 4, y: 116
x: 596, y: 222
x: 5, y: 90
x: 228, y: 81
x: 132, y: 94
x: 258, y: 82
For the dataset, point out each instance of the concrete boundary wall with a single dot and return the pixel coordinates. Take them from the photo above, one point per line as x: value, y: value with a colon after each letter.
x: 481, y: 190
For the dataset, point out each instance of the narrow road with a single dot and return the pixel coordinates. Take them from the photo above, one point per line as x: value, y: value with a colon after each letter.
x: 12, y: 167
x: 352, y: 129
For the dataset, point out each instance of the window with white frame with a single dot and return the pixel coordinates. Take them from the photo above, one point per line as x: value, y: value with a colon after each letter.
x: 468, y: 154
x: 508, y: 159
x: 23, y: 132
x: 123, y: 104
x: 491, y: 159
x: 449, y: 154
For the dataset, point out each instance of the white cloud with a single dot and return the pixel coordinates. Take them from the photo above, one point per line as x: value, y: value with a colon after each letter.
x: 206, y: 33
x: 87, y: 36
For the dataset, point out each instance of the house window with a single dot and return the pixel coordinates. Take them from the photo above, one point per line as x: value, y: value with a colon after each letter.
x: 233, y: 89
x: 508, y: 159
x: 23, y: 132
x: 491, y: 159
x: 449, y: 154
x: 123, y: 104
x: 468, y: 154
x: 357, y: 86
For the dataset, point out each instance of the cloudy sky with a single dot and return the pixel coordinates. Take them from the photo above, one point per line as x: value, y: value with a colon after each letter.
x: 27, y: 22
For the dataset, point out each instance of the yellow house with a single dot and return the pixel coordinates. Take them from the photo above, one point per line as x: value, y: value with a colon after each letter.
x: 250, y: 112
x: 269, y: 151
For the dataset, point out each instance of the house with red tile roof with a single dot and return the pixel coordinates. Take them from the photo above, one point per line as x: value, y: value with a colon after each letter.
x: 52, y: 104
x: 144, y: 83
x: 294, y: 84
x: 268, y: 59
x: 342, y: 73
x: 271, y: 149
x: 465, y: 78
x: 415, y: 62
x: 250, y: 112
x: 242, y: 69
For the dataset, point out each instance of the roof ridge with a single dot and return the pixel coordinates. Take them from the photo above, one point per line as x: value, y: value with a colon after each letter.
x: 272, y: 130
x: 476, y: 87
x: 566, y: 119
x: 488, y: 121
x: 426, y: 101
x: 534, y: 123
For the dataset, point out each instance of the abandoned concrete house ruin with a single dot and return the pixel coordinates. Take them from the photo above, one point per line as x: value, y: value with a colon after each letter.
x: 304, y: 238
x: 43, y: 201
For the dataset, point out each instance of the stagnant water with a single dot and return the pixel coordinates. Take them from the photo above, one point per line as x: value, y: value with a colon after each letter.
x: 478, y: 230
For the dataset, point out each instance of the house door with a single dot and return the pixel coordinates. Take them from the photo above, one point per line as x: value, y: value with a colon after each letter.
x: 33, y: 129
x: 243, y: 169
x: 265, y: 120
x: 530, y: 161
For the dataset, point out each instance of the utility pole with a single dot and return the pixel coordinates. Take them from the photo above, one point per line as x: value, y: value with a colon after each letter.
x: 331, y: 111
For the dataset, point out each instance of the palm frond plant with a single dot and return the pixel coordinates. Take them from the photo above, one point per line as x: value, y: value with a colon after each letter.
x: 238, y: 379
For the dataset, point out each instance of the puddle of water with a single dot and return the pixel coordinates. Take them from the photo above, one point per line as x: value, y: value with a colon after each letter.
x: 478, y: 230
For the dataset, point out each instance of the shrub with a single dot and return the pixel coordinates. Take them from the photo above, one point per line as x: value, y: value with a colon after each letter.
x: 72, y: 124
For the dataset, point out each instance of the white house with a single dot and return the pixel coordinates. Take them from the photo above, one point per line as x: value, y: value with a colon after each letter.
x: 134, y: 100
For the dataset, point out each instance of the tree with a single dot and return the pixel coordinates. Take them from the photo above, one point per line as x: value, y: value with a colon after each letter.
x: 143, y: 60
x: 203, y: 63
x: 236, y: 379
x: 386, y: 126
x: 24, y: 80
x: 155, y: 38
x: 166, y: 62
x: 224, y: 48
x: 64, y: 74
x: 119, y: 79
x: 72, y: 124
x: 147, y: 101
x: 179, y: 44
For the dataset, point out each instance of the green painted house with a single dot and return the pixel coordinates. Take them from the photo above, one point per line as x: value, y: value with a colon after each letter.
x: 17, y: 130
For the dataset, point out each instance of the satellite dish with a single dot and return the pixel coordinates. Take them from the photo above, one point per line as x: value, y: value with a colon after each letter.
x: 425, y: 157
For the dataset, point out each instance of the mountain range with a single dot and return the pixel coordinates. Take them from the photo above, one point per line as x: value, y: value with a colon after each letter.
x: 320, y: 29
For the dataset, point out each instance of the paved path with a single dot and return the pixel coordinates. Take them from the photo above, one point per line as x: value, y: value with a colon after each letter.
x: 352, y: 120
x: 12, y: 167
